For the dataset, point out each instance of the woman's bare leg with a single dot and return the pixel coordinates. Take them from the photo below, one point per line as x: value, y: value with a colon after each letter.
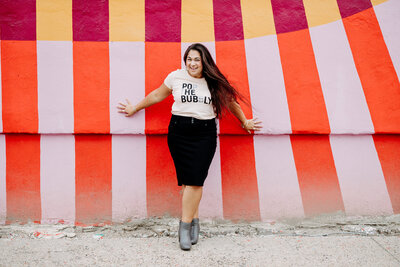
x: 196, y: 214
x: 190, y: 202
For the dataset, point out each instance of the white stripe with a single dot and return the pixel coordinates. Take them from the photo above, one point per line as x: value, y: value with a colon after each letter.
x: 55, y: 87
x: 278, y: 186
x: 267, y: 87
x: 3, y: 189
x: 128, y: 177
x: 360, y: 175
x: 341, y: 86
x: 57, y: 178
x: 127, y: 81
x: 211, y: 203
x: 387, y: 14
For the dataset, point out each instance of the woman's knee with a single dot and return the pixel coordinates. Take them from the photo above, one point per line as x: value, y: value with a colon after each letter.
x: 195, y: 187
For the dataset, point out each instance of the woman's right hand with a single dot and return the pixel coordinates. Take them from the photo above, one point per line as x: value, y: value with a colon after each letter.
x: 128, y: 109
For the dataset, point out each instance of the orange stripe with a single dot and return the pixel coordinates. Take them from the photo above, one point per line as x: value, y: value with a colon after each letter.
x: 231, y: 60
x: 93, y: 197
x: 23, y: 177
x: 91, y: 87
x: 239, y: 178
x: 388, y: 148
x: 161, y: 183
x: 19, y: 86
x: 316, y: 171
x: 162, y: 186
x: 303, y: 88
x: 160, y: 60
x: 375, y: 69
x: 238, y: 174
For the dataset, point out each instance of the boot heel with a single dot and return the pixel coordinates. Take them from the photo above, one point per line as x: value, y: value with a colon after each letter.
x: 194, y: 233
x: 184, y: 235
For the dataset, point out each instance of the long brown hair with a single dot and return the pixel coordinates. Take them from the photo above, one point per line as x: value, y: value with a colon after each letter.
x: 222, y: 92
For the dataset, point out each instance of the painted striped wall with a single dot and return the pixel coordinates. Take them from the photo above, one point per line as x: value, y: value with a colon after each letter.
x: 97, y: 178
x: 306, y: 66
x: 323, y: 76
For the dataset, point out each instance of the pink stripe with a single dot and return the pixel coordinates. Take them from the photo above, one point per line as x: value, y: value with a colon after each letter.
x: 126, y: 82
x: 57, y: 178
x: 90, y: 20
x: 278, y: 186
x: 343, y: 94
x: 387, y: 14
x: 163, y: 21
x: 228, y: 20
x: 3, y: 191
x: 211, y: 202
x: 360, y: 175
x: 128, y: 177
x: 55, y: 87
x: 268, y: 94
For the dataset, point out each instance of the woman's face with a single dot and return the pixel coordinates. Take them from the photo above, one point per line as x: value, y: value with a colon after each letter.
x: 194, y: 64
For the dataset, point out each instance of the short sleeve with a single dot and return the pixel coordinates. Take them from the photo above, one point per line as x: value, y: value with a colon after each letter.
x: 170, y: 79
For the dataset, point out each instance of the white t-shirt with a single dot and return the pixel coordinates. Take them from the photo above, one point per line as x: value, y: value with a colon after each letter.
x: 192, y: 96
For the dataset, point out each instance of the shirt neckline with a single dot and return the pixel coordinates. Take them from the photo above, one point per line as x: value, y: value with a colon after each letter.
x: 187, y: 73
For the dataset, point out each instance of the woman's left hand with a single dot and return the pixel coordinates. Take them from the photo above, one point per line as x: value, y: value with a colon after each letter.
x: 252, y: 125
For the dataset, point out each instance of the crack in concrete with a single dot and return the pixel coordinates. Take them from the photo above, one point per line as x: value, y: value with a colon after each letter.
x: 391, y: 254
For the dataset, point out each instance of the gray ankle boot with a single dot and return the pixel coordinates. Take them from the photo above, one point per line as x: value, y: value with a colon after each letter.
x: 194, y: 233
x: 184, y: 235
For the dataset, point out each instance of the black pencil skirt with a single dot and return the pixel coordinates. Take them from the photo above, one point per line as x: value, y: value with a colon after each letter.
x: 192, y: 144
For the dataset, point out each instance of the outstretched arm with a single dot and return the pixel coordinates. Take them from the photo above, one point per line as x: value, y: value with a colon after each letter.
x: 248, y: 125
x: 154, y: 97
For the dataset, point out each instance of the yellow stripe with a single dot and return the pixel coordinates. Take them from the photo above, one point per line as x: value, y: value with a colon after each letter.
x: 127, y: 20
x: 377, y: 2
x: 258, y: 19
x: 320, y: 12
x: 54, y: 20
x: 197, y: 21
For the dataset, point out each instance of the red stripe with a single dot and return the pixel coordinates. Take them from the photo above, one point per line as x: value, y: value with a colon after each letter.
x: 303, y: 88
x: 161, y: 182
x: 19, y: 86
x: 91, y: 87
x: 160, y: 60
x: 388, y: 148
x: 238, y: 174
x: 23, y: 177
x: 239, y: 178
x: 163, y: 21
x: 228, y: 20
x: 348, y: 8
x: 316, y: 171
x: 231, y: 60
x: 18, y: 20
x: 289, y: 15
x: 93, y: 197
x: 375, y: 69
x: 90, y: 20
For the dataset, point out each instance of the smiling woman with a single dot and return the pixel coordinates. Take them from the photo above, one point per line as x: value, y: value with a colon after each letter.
x: 201, y: 94
x: 194, y: 65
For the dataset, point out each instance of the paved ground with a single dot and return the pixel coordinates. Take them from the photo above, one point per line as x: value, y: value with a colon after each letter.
x: 215, y: 251
x: 323, y: 241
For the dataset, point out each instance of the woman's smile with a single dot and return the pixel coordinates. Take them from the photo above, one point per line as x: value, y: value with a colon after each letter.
x: 194, y: 64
